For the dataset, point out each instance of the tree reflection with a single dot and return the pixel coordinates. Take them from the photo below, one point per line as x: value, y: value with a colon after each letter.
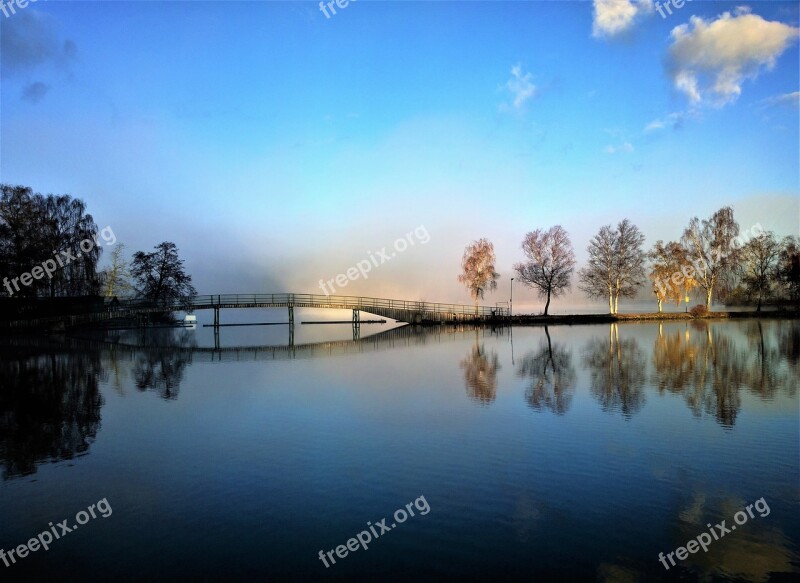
x: 160, y: 368
x: 772, y: 358
x: 618, y: 371
x: 551, y: 374
x: 789, y: 342
x: 705, y: 366
x: 480, y: 373
x: 49, y: 407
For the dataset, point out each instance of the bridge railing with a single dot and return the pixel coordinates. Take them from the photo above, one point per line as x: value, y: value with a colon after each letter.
x: 345, y: 302
x: 313, y: 300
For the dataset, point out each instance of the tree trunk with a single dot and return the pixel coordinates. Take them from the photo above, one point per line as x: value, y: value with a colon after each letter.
x: 610, y: 303
x: 708, y: 298
x: 547, y: 305
x: 659, y: 306
x: 616, y: 303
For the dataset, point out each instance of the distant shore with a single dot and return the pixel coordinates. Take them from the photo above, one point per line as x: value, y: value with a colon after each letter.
x: 524, y: 319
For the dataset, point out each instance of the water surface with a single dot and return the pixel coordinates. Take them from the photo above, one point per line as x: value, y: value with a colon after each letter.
x: 567, y: 453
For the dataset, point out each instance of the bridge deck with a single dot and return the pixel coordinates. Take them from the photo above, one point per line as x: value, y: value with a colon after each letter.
x: 402, y: 310
x: 412, y: 312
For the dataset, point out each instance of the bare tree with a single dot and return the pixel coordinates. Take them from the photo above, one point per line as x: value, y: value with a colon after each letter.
x: 51, y: 230
x: 616, y: 264
x: 711, y: 249
x: 477, y: 267
x: 550, y: 264
x: 161, y: 277
x: 759, y: 258
x: 116, y: 277
x: 669, y: 274
x: 788, y: 269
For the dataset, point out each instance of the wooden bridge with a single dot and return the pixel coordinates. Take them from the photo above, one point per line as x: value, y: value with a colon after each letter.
x: 411, y: 312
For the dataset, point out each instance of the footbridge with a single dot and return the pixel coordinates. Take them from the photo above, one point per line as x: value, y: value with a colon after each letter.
x: 411, y: 312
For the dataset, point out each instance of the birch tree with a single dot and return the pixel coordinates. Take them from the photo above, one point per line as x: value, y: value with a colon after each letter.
x: 670, y: 273
x: 550, y: 262
x: 616, y: 264
x: 711, y: 247
x: 478, y: 269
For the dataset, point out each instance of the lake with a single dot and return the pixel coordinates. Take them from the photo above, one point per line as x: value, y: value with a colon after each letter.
x: 567, y: 453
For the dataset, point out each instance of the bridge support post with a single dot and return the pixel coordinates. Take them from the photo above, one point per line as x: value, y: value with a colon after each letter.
x: 356, y: 324
x: 291, y: 316
x: 216, y: 318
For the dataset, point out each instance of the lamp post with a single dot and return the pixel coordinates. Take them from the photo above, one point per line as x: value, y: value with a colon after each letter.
x: 511, y: 301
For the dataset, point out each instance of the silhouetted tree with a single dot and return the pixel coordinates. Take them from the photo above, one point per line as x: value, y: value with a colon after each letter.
x: 550, y: 262
x: 54, y: 231
x: 788, y: 270
x: 159, y: 276
x: 758, y: 260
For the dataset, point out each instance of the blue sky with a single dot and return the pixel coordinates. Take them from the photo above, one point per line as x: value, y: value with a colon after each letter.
x: 277, y: 147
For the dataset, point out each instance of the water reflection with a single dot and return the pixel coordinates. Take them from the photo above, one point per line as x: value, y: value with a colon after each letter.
x: 618, y: 372
x: 705, y: 366
x: 49, y: 407
x: 50, y: 401
x: 162, y: 369
x: 551, y: 375
x: 480, y: 373
x: 758, y: 549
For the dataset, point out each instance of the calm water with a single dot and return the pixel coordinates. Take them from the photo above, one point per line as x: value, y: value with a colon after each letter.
x: 573, y: 453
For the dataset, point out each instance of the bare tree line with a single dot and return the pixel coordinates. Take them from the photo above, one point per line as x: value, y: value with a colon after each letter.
x: 711, y: 258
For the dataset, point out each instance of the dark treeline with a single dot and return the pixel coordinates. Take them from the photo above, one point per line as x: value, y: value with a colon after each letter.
x: 37, y: 230
x: 50, y: 247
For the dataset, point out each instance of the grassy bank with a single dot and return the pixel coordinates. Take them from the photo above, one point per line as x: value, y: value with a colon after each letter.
x: 524, y: 319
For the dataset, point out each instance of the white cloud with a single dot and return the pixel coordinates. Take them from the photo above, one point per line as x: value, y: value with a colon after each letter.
x: 709, y: 60
x: 673, y: 119
x: 613, y: 17
x: 625, y: 147
x: 654, y: 125
x: 521, y: 88
x: 790, y: 99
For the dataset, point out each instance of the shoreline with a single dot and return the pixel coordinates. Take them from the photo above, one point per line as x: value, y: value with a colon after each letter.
x: 527, y: 319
